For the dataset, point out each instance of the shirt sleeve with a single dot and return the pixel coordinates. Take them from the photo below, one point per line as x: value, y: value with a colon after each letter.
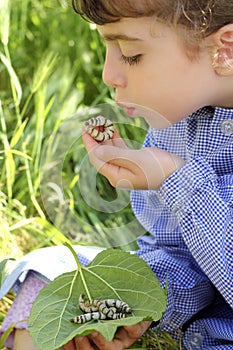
x: 189, y: 289
x: 203, y: 205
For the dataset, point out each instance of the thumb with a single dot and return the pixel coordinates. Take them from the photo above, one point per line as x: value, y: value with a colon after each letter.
x: 114, y: 155
x: 128, y: 158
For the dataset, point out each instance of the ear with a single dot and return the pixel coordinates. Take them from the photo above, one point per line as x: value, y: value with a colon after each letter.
x: 222, y: 56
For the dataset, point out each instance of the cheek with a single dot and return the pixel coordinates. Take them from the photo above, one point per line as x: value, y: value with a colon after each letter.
x: 164, y: 104
x: 174, y: 89
x: 173, y: 93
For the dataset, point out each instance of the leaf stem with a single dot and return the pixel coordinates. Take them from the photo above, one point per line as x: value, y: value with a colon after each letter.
x: 79, y: 266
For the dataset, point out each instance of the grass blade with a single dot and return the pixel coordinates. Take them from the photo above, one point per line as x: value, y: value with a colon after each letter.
x: 13, y: 76
x: 4, y: 21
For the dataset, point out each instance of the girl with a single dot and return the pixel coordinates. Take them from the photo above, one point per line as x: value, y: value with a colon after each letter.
x: 171, y: 62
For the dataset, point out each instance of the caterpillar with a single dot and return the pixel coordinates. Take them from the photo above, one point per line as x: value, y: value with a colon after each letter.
x: 95, y: 316
x: 101, y: 309
x: 103, y: 306
x: 100, y: 128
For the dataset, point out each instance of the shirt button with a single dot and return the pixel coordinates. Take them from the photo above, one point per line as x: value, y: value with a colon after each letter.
x: 227, y: 127
x: 196, y: 339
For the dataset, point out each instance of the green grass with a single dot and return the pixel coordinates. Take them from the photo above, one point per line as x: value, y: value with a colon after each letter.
x: 50, y: 77
x: 48, y: 74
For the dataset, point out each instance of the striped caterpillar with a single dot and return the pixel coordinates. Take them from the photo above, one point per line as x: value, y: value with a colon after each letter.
x: 100, y: 128
x: 110, y: 309
x: 95, y: 316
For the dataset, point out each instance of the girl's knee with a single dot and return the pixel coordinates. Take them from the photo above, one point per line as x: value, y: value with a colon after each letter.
x: 23, y: 340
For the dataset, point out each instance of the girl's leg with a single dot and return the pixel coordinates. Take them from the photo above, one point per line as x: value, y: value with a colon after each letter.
x: 23, y: 340
x: 19, y: 313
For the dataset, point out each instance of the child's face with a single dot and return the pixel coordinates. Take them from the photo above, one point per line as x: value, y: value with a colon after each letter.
x: 147, y: 65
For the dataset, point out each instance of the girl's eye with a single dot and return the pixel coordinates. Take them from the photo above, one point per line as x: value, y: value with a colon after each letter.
x: 131, y: 60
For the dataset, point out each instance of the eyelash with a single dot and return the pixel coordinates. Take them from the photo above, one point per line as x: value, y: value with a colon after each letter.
x: 131, y: 60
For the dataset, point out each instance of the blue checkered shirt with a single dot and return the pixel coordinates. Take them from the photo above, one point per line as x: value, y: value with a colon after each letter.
x: 190, y: 219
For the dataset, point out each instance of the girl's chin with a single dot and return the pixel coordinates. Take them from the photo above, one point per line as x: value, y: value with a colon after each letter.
x: 158, y: 123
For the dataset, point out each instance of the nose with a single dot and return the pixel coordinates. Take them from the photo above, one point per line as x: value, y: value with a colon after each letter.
x: 113, y: 72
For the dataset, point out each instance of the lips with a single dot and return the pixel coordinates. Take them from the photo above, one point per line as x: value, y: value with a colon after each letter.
x: 128, y: 109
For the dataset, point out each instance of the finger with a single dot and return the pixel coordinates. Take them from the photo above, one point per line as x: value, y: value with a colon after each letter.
x: 117, y: 140
x: 113, y: 154
x: 116, y: 155
x: 136, y: 161
x: 91, y: 146
x: 89, y: 142
x: 119, y: 177
x: 102, y: 344
x: 121, y: 167
x: 138, y: 329
x: 127, y: 335
x: 124, y: 337
x: 83, y: 343
x: 70, y: 345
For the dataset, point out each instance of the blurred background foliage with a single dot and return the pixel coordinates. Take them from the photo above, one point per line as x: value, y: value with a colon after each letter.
x: 50, y: 76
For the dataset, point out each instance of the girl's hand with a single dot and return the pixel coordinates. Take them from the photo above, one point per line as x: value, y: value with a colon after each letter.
x: 124, y: 337
x: 125, y: 168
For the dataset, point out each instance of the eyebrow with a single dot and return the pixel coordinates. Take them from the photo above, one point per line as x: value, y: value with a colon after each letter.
x: 123, y: 37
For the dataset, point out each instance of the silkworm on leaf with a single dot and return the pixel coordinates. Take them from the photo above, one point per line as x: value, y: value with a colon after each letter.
x: 88, y: 317
x: 96, y: 316
x: 100, y: 128
x: 111, y: 309
x: 103, y: 305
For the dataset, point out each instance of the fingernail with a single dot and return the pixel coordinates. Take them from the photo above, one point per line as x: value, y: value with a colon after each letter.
x: 95, y: 334
x: 79, y: 339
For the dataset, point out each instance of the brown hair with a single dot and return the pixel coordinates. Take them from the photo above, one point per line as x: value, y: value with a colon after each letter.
x: 199, y: 17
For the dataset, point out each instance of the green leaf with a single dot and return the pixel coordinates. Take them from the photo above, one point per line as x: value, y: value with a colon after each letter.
x: 6, y: 266
x: 15, y: 80
x: 18, y: 133
x: 6, y: 335
x: 45, y: 68
x: 112, y: 274
x: 4, y: 21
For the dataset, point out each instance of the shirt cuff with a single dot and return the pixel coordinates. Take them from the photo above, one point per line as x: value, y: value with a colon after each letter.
x: 177, y: 190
